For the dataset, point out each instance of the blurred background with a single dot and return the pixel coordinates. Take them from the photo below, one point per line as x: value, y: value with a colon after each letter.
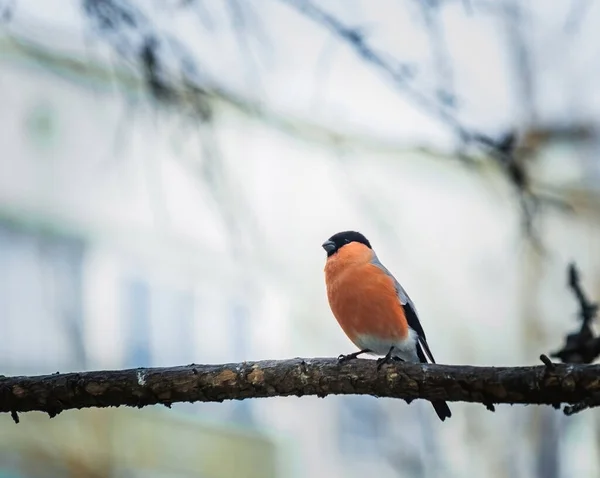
x: 170, y: 168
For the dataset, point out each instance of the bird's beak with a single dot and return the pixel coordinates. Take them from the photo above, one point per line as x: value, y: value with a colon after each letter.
x: 329, y: 246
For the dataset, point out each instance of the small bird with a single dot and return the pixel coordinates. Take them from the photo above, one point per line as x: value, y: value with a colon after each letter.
x: 371, y: 306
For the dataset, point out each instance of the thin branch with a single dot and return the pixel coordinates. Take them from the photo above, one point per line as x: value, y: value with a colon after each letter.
x: 582, y: 346
x: 319, y: 376
x: 588, y: 309
x: 394, y: 70
x: 399, y: 73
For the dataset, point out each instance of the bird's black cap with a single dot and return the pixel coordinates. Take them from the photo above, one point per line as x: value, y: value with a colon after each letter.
x: 335, y: 242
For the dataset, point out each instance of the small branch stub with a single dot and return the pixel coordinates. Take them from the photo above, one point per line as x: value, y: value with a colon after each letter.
x: 547, y: 362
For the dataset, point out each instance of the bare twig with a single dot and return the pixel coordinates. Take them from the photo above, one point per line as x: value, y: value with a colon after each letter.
x: 547, y: 362
x: 396, y: 71
x: 582, y: 346
x: 592, y: 401
x: 588, y: 309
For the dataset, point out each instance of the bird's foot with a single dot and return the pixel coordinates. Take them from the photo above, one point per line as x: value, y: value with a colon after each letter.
x: 345, y: 358
x: 383, y: 360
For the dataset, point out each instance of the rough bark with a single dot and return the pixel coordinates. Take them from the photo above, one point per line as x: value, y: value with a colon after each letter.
x: 550, y: 384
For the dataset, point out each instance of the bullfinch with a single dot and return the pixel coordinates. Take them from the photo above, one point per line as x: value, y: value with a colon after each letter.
x: 371, y: 306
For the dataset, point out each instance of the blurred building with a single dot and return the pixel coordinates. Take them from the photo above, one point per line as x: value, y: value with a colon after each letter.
x: 126, y: 241
x: 92, y: 279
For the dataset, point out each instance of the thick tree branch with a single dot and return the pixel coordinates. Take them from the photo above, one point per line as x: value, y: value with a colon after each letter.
x: 551, y: 384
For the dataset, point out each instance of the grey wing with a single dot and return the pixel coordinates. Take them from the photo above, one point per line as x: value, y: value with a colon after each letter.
x: 410, y: 311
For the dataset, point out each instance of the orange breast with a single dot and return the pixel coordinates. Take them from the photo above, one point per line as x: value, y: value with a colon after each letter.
x: 363, y: 298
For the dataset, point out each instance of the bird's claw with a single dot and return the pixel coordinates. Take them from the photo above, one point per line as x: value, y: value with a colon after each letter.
x: 344, y: 358
x: 383, y: 360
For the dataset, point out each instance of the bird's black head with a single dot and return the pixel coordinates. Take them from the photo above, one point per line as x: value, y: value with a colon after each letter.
x: 339, y: 240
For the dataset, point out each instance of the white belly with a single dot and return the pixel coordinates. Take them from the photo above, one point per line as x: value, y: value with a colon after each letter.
x: 405, y: 349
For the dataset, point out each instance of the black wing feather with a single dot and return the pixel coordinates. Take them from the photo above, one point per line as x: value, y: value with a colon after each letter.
x: 415, y: 324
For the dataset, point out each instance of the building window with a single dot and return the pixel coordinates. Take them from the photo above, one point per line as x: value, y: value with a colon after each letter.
x: 159, y: 322
x: 40, y: 301
x: 172, y: 313
x: 136, y: 313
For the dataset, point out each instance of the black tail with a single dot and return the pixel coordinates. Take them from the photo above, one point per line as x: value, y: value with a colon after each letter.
x: 442, y: 409
x: 425, y: 356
